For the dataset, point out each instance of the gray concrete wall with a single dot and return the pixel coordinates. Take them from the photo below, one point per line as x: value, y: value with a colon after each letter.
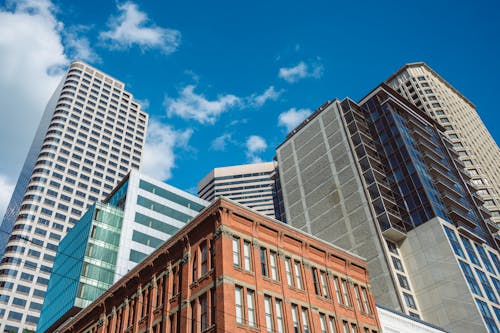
x: 441, y: 290
x: 323, y: 195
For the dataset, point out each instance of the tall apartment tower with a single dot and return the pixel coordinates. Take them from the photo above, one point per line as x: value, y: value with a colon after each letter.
x: 91, y: 134
x: 251, y: 185
x: 479, y: 152
x: 380, y: 178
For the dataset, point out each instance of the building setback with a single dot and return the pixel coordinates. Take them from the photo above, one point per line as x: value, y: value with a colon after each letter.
x: 381, y: 179
x: 91, y: 134
x: 479, y: 152
x: 110, y: 239
x: 251, y: 185
x: 234, y: 270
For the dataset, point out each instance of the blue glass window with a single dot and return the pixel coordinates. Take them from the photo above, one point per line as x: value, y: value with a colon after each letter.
x: 485, y: 312
x: 471, y: 280
x: 485, y: 259
x: 470, y: 251
x: 496, y: 283
x: 486, y: 286
x: 452, y: 237
x: 495, y: 260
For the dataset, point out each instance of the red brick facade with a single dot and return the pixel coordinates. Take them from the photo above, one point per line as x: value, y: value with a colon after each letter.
x: 233, y: 270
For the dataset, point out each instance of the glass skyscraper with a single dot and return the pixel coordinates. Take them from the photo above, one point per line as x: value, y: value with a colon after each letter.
x: 111, y: 238
x: 91, y: 135
x: 379, y: 177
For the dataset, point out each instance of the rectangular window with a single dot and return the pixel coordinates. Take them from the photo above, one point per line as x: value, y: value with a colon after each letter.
x: 288, y: 271
x: 337, y: 290
x: 366, y: 302
x: 263, y: 262
x: 331, y: 325
x: 295, y: 318
x: 358, y: 298
x: 273, y: 264
x: 204, y: 258
x: 238, y: 291
x: 268, y: 309
x: 236, y: 252
x: 203, y: 312
x: 324, y: 284
x: 317, y: 289
x: 251, y: 307
x: 322, y: 323
x: 305, y: 320
x: 345, y: 292
x: 298, y: 275
x: 280, y: 327
x: 247, y: 257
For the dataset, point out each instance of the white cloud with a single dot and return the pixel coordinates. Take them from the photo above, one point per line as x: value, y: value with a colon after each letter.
x: 301, y: 71
x: 270, y: 94
x: 31, y: 58
x: 220, y: 143
x: 254, y: 146
x: 190, y: 105
x: 133, y: 26
x: 159, y: 156
x: 292, y: 118
x: 78, y: 47
x: 6, y: 189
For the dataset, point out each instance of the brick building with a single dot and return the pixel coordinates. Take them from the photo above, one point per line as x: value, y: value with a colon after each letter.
x: 234, y: 270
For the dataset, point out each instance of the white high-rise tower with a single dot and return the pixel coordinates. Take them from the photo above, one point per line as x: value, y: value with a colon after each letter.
x: 91, y: 134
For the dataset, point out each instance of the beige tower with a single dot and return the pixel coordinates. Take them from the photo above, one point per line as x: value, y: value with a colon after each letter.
x: 479, y: 153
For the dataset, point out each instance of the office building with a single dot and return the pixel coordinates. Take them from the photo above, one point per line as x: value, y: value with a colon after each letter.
x: 381, y: 179
x: 91, y: 134
x: 478, y: 151
x: 112, y: 238
x: 251, y: 185
x: 232, y: 269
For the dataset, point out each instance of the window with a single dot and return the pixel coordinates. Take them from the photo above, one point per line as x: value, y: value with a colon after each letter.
x: 331, y: 324
x: 203, y: 312
x: 295, y: 318
x: 366, y: 302
x: 268, y: 309
x: 239, y: 304
x: 305, y: 320
x: 452, y: 237
x: 337, y: 290
x: 485, y: 259
x: 486, y: 286
x: 322, y: 323
x: 204, y: 258
x: 358, y: 298
x: 263, y: 262
x: 247, y: 257
x: 236, y: 252
x: 298, y: 275
x: 397, y: 264
x: 410, y: 302
x: 470, y: 250
x: 251, y: 307
x: 324, y: 284
x: 488, y: 318
x: 273, y: 264
x: 195, y: 267
x: 280, y: 327
x: 345, y: 292
x: 288, y: 271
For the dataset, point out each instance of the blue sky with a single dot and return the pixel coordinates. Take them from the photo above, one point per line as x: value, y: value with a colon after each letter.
x: 223, y: 81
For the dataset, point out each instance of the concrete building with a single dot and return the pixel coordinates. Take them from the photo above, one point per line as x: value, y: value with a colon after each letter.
x: 478, y: 151
x: 393, y: 321
x: 112, y: 238
x: 251, y: 185
x: 381, y: 179
x: 91, y: 134
x: 232, y: 269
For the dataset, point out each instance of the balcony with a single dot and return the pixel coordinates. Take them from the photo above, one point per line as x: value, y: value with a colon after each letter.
x: 444, y: 186
x: 461, y: 218
x: 452, y: 201
x: 392, y: 227
x: 433, y: 160
x: 470, y: 234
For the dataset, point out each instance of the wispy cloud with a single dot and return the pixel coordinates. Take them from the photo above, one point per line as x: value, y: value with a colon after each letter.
x: 31, y: 61
x: 301, y: 71
x: 221, y: 142
x: 271, y: 94
x: 78, y: 46
x: 190, y: 105
x: 159, y: 150
x: 133, y: 27
x: 255, y: 145
x: 292, y: 118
